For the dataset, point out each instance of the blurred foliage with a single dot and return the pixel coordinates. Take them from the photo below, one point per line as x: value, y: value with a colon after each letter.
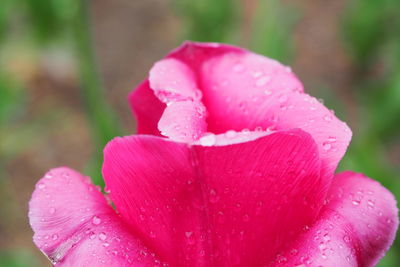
x: 371, y: 32
x: 272, y: 30
x: 371, y: 35
x: 18, y: 258
x: 49, y: 22
x: 208, y: 20
x: 11, y: 99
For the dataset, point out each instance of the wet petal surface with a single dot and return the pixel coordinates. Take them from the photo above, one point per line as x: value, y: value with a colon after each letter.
x: 74, y: 225
x: 356, y: 227
x: 221, y: 205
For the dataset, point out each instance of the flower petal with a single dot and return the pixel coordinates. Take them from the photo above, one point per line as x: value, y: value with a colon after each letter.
x: 173, y: 79
x: 356, y: 227
x: 183, y: 121
x: 174, y: 83
x: 219, y: 205
x: 74, y: 225
x: 245, y: 90
x: 240, y: 90
x: 147, y: 109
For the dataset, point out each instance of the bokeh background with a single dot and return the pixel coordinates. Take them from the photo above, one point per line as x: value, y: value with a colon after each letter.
x: 66, y: 67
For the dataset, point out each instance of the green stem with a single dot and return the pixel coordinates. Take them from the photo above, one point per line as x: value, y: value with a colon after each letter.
x: 101, y: 117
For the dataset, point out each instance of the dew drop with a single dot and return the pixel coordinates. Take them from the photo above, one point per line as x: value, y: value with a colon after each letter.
x: 332, y: 139
x: 96, y: 220
x: 326, y: 146
x: 327, y: 118
x: 326, y: 238
x: 213, y: 196
x: 48, y: 175
x: 238, y: 68
x: 41, y: 186
x: 371, y: 203
x: 208, y: 139
x: 230, y: 134
x: 152, y: 234
x: 52, y: 210
x: 188, y: 234
x: 267, y: 92
x: 257, y: 74
x: 245, y: 131
x: 102, y: 236
x: 54, y: 237
x: 262, y: 81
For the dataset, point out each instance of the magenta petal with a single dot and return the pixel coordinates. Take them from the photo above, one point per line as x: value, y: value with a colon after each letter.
x: 245, y: 90
x: 152, y: 185
x: 240, y: 90
x: 216, y: 205
x: 356, y: 227
x: 183, y: 121
x: 172, y: 80
x: 74, y: 225
x: 174, y: 83
x: 147, y: 109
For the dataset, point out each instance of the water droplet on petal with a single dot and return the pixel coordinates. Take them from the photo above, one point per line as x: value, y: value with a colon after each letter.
x: 326, y: 146
x: 102, y: 236
x: 96, y: 220
x: 208, y: 139
x: 152, y: 234
x: 327, y: 118
x: 188, y: 234
x: 238, y: 68
x: 371, y: 203
x: 41, y: 186
x: 257, y: 74
x: 230, y: 134
x: 213, y: 196
x: 267, y: 92
x: 332, y: 139
x: 262, y: 81
x: 52, y: 210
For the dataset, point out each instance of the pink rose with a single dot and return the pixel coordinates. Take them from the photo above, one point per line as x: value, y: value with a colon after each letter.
x: 245, y: 177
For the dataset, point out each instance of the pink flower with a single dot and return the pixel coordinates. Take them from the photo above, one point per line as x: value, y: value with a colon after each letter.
x: 245, y: 177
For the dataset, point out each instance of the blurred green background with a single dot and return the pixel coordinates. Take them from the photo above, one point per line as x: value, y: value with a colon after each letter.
x: 66, y: 67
